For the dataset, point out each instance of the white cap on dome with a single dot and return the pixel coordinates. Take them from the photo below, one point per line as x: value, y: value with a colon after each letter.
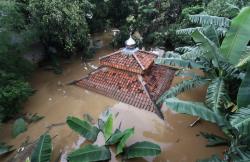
x: 130, y: 41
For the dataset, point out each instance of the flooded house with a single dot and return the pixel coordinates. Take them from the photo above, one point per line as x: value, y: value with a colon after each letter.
x: 130, y: 76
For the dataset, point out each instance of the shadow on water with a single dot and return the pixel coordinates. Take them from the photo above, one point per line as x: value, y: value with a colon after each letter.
x: 55, y: 100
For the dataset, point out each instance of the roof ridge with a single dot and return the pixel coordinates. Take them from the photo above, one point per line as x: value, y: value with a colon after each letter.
x: 144, y: 85
x: 138, y: 61
x: 114, y: 53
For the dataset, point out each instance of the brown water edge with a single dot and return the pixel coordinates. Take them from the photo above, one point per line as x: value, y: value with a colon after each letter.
x: 56, y: 101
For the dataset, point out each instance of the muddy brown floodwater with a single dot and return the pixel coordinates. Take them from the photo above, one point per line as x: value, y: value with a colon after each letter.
x: 55, y: 100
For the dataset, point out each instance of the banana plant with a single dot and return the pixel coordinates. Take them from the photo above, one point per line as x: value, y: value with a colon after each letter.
x: 43, y: 149
x: 220, y: 57
x: 116, y: 138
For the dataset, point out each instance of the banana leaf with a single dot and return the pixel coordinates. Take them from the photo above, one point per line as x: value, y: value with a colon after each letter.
x: 43, y: 149
x: 216, y: 94
x: 90, y: 153
x: 214, y: 140
x: 178, y: 62
x: 123, y: 141
x: 108, y: 127
x: 117, y: 136
x: 183, y: 86
x: 237, y: 38
x: 19, y: 127
x: 243, y: 97
x: 214, y: 158
x: 83, y: 127
x: 4, y: 149
x: 209, y: 48
x: 142, y: 149
x: 195, y: 109
x: 241, y: 120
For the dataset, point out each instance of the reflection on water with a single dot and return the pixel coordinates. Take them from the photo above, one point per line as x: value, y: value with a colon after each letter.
x: 55, y: 100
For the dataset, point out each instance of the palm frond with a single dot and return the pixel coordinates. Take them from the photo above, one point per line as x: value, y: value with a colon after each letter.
x: 182, y: 87
x: 205, y: 20
x: 216, y: 94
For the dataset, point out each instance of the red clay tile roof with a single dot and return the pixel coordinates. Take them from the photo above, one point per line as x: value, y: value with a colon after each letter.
x: 118, y: 84
x: 126, y: 87
x: 137, y: 63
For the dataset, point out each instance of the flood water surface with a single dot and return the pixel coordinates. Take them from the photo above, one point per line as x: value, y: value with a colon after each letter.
x: 56, y: 100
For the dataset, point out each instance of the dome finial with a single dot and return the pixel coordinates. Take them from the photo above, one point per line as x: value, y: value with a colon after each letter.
x: 130, y: 42
x: 130, y: 48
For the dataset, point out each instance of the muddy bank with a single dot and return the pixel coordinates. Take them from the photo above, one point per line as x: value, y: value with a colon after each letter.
x: 55, y: 100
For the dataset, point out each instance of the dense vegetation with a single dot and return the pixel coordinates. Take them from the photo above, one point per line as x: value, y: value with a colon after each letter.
x: 215, y: 39
x: 221, y: 51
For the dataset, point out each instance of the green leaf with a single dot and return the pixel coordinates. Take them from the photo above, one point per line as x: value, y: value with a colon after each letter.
x: 243, y: 97
x: 237, y: 37
x: 4, y: 149
x: 245, y: 58
x: 43, y: 149
x: 214, y: 140
x: 108, y: 127
x: 142, y: 149
x: 208, y: 47
x: 19, y: 127
x: 206, y: 20
x: 195, y: 109
x: 183, y: 86
x: 178, y: 62
x: 216, y: 94
x: 90, y: 153
x: 117, y: 136
x: 241, y: 120
x: 214, y: 158
x: 123, y: 140
x: 83, y: 127
x: 212, y: 35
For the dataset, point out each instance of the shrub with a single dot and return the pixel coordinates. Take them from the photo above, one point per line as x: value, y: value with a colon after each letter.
x: 61, y: 24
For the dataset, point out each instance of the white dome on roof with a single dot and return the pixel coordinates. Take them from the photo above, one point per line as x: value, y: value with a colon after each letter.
x: 130, y: 41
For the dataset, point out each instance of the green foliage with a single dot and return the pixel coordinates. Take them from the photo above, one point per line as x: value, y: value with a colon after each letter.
x: 195, y: 109
x: 214, y: 140
x: 108, y: 127
x: 237, y: 38
x: 241, y: 120
x: 216, y: 94
x: 83, y: 127
x: 243, y: 94
x: 4, y: 149
x: 19, y: 127
x: 90, y: 153
x: 182, y: 87
x: 225, y: 8
x: 100, y: 153
x: 142, y: 149
x: 123, y: 140
x: 43, y: 149
x: 13, y: 92
x: 61, y: 24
